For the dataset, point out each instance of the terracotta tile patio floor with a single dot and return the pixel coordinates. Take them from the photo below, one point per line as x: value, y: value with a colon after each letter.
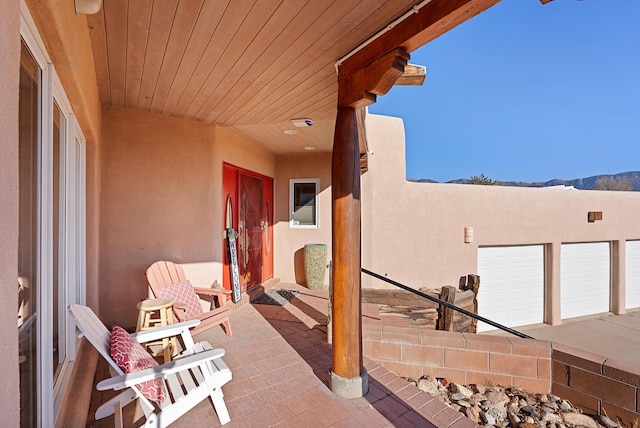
x: 280, y: 361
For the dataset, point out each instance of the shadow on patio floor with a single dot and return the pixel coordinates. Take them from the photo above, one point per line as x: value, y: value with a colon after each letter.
x: 281, y: 362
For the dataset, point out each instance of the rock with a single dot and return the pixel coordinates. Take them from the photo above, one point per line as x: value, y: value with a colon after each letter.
x: 487, y: 418
x: 463, y: 403
x: 444, y: 381
x: 473, y: 413
x: 497, y: 397
x: 498, y: 411
x: 428, y: 386
x: 458, y: 396
x: 565, y: 406
x: 578, y: 419
x: 529, y: 411
x: 514, y: 419
x: 479, y: 397
x: 606, y: 422
x: 550, y: 418
x: 460, y: 389
x: 512, y: 407
x: 480, y: 389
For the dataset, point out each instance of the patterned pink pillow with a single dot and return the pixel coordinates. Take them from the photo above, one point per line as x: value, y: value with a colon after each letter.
x: 184, y: 294
x: 131, y: 357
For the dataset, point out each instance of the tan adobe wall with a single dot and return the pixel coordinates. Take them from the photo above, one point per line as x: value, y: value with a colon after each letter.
x: 597, y: 384
x: 161, y: 199
x: 66, y: 37
x: 289, y: 243
x: 9, y: 70
x: 414, y: 232
x: 465, y: 358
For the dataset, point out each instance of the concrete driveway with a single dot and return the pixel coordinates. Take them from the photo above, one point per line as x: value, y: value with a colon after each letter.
x: 612, y: 336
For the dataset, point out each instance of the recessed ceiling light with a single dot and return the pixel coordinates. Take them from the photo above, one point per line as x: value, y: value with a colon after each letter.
x: 290, y: 131
x: 310, y: 148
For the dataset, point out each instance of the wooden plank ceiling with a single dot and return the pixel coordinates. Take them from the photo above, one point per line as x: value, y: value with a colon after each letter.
x: 250, y: 64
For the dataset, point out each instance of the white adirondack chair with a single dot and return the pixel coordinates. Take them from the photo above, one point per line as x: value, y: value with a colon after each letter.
x: 194, y: 375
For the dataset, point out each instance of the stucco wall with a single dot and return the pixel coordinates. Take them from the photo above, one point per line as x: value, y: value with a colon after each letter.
x: 418, y: 228
x: 289, y: 243
x: 161, y: 199
x: 9, y: 83
x: 66, y: 37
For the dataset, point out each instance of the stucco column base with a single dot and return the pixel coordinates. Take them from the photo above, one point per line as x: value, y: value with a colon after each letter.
x: 350, y: 387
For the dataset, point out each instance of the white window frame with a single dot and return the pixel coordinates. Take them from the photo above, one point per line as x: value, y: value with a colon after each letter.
x: 72, y: 275
x: 292, y: 222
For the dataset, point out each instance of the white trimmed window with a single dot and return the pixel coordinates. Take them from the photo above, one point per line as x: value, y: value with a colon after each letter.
x: 303, y: 203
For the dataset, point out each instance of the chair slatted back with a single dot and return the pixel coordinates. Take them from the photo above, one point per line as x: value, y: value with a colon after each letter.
x: 164, y: 273
x: 95, y: 332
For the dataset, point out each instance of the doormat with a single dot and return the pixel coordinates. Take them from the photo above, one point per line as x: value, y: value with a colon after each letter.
x: 275, y: 297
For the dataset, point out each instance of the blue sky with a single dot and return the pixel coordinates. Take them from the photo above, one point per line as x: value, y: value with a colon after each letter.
x: 527, y: 92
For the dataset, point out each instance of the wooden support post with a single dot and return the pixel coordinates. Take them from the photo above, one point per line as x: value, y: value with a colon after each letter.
x: 346, y: 323
x: 355, y: 91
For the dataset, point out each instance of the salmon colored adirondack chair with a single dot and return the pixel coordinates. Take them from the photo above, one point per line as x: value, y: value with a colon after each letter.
x: 167, y: 279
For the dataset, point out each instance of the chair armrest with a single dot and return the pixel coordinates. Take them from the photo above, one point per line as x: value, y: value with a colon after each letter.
x: 220, y: 293
x: 130, y: 379
x: 212, y: 291
x: 181, y: 328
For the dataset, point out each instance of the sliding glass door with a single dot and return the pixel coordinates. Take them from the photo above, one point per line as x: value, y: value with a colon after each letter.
x: 51, y: 253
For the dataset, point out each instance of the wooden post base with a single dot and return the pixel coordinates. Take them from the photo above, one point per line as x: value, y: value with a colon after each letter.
x: 350, y: 388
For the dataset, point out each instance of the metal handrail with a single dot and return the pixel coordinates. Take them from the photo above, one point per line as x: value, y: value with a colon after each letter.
x: 447, y: 304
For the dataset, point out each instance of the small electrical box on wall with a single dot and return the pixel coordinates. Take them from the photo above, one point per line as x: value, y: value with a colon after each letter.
x: 468, y: 235
x: 593, y: 216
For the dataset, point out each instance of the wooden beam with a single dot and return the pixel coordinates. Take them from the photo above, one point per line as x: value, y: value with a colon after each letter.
x: 433, y: 20
x: 414, y: 75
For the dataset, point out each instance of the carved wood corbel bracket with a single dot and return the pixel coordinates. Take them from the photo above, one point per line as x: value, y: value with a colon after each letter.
x: 360, y: 88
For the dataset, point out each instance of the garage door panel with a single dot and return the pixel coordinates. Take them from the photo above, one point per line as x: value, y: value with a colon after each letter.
x: 632, y: 275
x: 511, y: 285
x: 584, y: 279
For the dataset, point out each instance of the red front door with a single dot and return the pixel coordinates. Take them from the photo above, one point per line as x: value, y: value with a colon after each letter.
x: 248, y: 207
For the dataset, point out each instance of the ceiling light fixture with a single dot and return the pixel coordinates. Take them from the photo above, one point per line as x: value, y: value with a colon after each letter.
x: 87, y: 7
x: 309, y: 148
x: 290, y: 131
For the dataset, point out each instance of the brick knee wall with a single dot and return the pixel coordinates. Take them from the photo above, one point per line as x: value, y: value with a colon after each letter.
x: 596, y: 384
x: 461, y: 357
x: 593, y: 383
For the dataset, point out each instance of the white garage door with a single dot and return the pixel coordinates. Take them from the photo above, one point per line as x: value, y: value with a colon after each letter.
x: 632, y: 275
x: 511, y: 285
x: 584, y: 279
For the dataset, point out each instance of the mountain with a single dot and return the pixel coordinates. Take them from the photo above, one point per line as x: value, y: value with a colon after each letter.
x: 587, y: 183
